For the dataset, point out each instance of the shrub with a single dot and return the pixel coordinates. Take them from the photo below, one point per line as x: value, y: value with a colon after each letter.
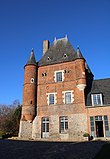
x: 86, y: 135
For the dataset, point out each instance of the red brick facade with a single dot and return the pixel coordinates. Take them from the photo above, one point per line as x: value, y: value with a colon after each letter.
x: 39, y: 83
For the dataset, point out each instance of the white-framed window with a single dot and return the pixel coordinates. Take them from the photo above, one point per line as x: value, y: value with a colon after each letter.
x: 45, y: 124
x: 68, y: 97
x: 59, y: 76
x: 51, y: 98
x: 63, y: 124
x: 96, y: 99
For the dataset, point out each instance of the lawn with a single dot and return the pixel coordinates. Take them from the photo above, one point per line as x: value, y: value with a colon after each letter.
x: 104, y: 153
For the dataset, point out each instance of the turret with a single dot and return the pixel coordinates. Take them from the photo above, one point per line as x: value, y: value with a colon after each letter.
x: 80, y: 70
x: 29, y: 92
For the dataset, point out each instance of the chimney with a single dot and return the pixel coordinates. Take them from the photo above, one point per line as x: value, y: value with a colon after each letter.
x: 45, y: 46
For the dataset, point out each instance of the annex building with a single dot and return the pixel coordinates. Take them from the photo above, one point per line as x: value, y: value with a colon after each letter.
x: 61, y: 99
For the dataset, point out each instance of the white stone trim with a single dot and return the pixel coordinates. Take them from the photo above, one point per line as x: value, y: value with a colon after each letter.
x: 57, y: 72
x: 55, y: 97
x: 72, y: 95
x: 81, y: 87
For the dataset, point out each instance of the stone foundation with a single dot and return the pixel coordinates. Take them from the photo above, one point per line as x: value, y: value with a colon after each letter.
x: 25, y: 130
x: 77, y: 126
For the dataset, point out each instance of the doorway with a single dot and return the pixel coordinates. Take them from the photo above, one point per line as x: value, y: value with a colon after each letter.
x: 99, y: 129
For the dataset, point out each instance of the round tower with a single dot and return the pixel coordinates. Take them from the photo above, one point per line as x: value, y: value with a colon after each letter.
x: 29, y: 92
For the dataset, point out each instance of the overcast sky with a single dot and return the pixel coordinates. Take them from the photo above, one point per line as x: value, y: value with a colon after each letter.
x: 24, y: 24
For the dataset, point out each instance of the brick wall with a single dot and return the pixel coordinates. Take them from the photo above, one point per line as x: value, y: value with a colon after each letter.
x: 47, y: 84
x: 29, y: 93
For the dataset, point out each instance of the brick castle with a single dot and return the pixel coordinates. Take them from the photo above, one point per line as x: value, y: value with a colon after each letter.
x: 61, y: 99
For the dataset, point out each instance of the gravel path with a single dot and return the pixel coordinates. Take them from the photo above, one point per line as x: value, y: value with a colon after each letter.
x: 15, y: 149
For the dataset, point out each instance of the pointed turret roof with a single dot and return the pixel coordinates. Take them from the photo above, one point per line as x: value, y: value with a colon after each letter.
x: 31, y: 60
x: 79, y: 54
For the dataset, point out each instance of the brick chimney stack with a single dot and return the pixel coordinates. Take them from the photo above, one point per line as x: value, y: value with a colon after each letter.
x: 45, y: 46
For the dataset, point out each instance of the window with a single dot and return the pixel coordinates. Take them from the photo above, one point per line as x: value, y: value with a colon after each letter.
x: 44, y: 74
x: 59, y: 76
x: 51, y: 98
x: 68, y: 97
x: 106, y: 123
x: 97, y: 99
x: 63, y: 124
x: 32, y: 80
x: 48, y: 59
x: 45, y: 127
x: 92, y: 123
x: 65, y: 56
x: 98, y: 118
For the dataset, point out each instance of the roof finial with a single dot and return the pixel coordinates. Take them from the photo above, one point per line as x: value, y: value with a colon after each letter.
x: 77, y: 46
x: 66, y: 37
x: 55, y: 39
x: 32, y: 50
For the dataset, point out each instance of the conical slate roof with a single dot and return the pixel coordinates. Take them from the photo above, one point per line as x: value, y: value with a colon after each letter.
x: 60, y: 51
x: 31, y: 60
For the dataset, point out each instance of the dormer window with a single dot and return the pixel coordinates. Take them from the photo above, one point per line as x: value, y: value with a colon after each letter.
x: 97, y: 99
x: 65, y: 56
x: 48, y: 59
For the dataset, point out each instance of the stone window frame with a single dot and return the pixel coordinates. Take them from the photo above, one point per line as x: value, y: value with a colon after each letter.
x: 95, y: 100
x: 63, y: 120
x: 64, y: 96
x: 55, y: 75
x: 55, y: 98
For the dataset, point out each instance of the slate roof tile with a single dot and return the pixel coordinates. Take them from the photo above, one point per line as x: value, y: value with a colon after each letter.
x: 60, y: 51
x: 100, y: 86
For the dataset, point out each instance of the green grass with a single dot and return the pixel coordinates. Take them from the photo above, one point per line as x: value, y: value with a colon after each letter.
x: 104, y: 153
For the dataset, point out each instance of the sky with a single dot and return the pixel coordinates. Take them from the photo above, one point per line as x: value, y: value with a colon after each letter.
x: 24, y: 24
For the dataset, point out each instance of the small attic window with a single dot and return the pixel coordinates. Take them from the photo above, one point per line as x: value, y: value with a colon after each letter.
x: 65, y: 56
x: 48, y: 59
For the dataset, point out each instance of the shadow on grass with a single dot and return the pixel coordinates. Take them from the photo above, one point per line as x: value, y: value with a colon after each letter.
x: 104, y: 153
x: 20, y: 149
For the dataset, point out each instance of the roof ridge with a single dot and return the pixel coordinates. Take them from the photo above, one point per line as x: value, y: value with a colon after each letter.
x: 102, y: 79
x: 64, y: 38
